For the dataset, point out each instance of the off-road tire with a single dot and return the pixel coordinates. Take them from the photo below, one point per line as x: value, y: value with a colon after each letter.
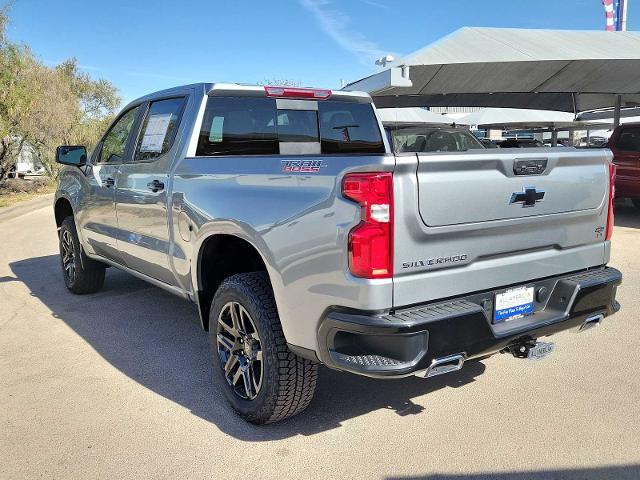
x: 89, y: 274
x: 288, y: 381
x: 636, y: 202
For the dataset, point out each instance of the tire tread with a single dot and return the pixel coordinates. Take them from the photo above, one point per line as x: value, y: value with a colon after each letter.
x: 296, y: 377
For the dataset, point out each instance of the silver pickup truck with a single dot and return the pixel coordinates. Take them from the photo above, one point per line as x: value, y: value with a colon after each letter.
x: 284, y: 214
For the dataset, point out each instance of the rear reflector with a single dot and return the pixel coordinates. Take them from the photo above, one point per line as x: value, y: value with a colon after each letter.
x: 295, y: 92
x: 612, y: 196
x: 371, y: 241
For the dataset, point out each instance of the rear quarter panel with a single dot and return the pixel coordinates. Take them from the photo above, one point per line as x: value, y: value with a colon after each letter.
x: 299, y: 223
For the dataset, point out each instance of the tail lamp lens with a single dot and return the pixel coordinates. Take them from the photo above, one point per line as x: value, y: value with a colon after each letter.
x: 371, y: 241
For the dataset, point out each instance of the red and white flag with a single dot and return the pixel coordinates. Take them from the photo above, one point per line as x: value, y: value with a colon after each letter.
x: 612, y: 11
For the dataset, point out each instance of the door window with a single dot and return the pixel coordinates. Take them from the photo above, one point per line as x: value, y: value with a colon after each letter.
x: 115, y: 141
x: 159, y: 128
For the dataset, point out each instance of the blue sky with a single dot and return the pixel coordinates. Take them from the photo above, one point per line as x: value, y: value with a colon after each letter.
x: 142, y: 45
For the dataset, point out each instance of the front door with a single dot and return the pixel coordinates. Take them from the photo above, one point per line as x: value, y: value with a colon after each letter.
x: 141, y: 196
x: 97, y: 219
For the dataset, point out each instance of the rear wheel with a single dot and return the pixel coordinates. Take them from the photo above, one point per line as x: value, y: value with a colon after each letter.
x: 636, y: 202
x: 81, y: 274
x: 262, y: 379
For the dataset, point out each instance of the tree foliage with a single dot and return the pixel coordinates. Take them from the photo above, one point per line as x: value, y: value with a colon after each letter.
x: 46, y: 106
x: 280, y: 82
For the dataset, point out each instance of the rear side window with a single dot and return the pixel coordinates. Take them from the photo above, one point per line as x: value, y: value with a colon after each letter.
x: 629, y: 139
x: 255, y: 126
x: 349, y: 128
x: 159, y: 129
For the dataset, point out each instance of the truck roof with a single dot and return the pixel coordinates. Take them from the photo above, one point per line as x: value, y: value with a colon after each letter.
x: 223, y: 88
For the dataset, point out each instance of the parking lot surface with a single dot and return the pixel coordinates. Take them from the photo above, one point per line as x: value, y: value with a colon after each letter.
x: 118, y: 385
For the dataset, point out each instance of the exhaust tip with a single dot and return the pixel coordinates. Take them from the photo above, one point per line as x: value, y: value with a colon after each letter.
x: 440, y: 366
x: 590, y: 322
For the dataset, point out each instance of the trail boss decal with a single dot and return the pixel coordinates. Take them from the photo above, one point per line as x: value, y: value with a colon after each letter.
x: 430, y: 262
x: 302, y: 166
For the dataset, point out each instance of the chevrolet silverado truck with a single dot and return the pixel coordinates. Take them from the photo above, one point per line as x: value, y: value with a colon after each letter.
x: 284, y: 214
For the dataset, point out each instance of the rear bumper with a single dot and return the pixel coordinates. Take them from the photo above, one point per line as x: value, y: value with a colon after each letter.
x: 406, y: 341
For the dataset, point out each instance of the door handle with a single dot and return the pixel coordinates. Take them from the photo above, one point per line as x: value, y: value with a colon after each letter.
x: 155, y: 186
x: 108, y: 182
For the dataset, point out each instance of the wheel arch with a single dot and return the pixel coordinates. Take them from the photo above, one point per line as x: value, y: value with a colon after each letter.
x: 221, y: 255
x: 62, y: 209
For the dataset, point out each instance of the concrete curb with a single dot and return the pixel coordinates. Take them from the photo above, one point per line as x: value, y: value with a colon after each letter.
x: 8, y: 213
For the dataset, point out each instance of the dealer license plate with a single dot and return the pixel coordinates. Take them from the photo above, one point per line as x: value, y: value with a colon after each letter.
x: 513, y: 303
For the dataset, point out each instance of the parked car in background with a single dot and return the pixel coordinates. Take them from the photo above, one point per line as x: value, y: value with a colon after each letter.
x: 592, y: 142
x: 625, y: 145
x: 285, y: 216
x: 520, y: 143
x: 27, y: 163
x: 426, y: 138
x: 488, y: 143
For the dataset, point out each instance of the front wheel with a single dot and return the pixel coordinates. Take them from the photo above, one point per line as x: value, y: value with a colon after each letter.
x: 81, y: 274
x: 262, y: 379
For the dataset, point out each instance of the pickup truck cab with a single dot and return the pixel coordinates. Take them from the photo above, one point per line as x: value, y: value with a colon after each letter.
x: 285, y: 215
x: 625, y: 145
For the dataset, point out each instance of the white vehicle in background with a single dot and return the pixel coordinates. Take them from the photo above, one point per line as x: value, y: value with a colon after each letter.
x: 27, y: 163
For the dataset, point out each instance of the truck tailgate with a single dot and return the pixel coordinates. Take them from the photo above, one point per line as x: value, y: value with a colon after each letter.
x: 472, y: 221
x: 480, y: 187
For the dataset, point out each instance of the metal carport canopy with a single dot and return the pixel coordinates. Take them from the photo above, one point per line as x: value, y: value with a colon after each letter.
x: 562, y: 70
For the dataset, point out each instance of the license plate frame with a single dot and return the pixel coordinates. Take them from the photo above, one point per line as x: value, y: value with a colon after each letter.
x: 513, y: 303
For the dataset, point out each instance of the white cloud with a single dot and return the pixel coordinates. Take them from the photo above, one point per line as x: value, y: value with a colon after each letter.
x: 336, y: 24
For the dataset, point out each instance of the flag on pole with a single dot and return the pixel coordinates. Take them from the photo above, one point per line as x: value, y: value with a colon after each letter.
x: 612, y: 14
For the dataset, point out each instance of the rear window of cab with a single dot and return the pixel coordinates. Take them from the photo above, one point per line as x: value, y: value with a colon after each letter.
x: 256, y: 126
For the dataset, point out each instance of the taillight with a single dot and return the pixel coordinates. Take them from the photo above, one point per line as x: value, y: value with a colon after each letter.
x: 371, y: 241
x: 612, y: 196
x: 295, y: 92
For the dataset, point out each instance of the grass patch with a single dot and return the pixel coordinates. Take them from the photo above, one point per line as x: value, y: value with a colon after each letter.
x: 13, y: 191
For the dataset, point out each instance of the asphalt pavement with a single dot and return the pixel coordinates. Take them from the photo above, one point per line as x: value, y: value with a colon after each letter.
x: 119, y: 385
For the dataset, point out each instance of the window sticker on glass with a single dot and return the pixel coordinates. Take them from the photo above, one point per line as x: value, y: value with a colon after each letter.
x: 155, y: 132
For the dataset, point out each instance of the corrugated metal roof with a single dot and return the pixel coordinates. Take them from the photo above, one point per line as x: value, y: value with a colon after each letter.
x: 550, y: 69
x: 412, y: 115
x: 518, y: 118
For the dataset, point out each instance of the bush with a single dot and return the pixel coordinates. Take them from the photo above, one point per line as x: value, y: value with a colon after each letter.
x: 13, y: 186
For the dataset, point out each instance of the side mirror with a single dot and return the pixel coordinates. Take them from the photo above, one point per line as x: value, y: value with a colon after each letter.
x: 74, y: 155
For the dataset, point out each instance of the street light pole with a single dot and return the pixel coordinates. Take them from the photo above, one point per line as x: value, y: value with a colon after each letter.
x: 623, y: 15
x: 623, y: 27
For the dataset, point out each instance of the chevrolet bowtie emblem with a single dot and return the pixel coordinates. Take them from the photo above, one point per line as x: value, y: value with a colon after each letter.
x: 528, y: 197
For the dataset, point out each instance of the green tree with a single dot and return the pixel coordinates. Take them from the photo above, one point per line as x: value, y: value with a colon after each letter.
x: 46, y: 107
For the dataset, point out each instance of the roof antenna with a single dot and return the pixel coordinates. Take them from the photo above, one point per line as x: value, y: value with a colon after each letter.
x: 382, y: 61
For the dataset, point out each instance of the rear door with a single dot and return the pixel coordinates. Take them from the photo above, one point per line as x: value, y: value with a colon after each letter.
x: 626, y: 147
x: 141, y: 196
x: 476, y: 220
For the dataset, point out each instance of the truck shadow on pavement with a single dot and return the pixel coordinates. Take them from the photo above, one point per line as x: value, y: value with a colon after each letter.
x: 621, y: 472
x: 156, y: 339
x: 626, y: 215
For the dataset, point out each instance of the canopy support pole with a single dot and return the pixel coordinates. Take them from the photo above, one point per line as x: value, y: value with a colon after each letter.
x: 554, y: 137
x: 616, y: 111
